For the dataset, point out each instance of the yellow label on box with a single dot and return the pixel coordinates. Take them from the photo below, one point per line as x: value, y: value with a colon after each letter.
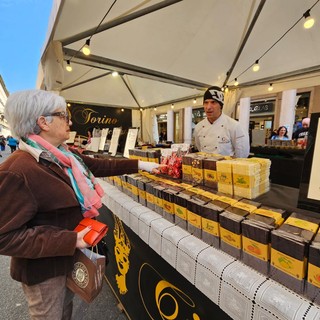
x: 210, y: 226
x: 243, y: 181
x: 158, y: 202
x: 210, y: 195
x: 185, y: 185
x: 257, y: 249
x: 135, y: 190
x: 224, y: 177
x: 314, y: 275
x: 186, y: 169
x: 180, y: 211
x: 194, y: 219
x: 303, y: 224
x: 150, y: 197
x: 156, y: 160
x: 210, y: 175
x: 196, y: 190
x: 168, y: 206
x: 244, y: 206
x: 271, y: 214
x: 231, y: 238
x: 293, y: 267
x: 142, y: 194
x: 227, y: 200
x: 197, y: 173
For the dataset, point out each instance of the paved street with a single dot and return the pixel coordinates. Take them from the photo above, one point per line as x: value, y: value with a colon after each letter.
x: 14, y: 307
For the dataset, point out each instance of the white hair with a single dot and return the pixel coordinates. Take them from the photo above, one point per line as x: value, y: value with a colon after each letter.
x: 23, y: 108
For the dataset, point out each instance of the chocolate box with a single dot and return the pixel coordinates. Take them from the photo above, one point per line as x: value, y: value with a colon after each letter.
x: 180, y: 207
x: 150, y: 194
x: 194, y: 214
x: 158, y: 197
x: 141, y: 184
x: 289, y: 249
x: 230, y: 232
x: 132, y: 185
x: 168, y: 202
x: 197, y: 170
x: 210, y: 172
x: 312, y: 291
x: 256, y: 236
x: 187, y: 166
x: 210, y: 224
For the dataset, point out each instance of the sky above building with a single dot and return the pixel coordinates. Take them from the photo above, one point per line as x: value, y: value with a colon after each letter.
x: 23, y: 29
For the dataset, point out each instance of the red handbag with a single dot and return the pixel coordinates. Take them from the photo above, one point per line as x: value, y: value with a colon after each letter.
x: 97, y: 232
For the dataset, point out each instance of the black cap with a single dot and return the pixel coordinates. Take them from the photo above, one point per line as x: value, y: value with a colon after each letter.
x: 214, y: 93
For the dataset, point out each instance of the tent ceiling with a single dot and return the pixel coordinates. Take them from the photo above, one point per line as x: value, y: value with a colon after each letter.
x: 170, y: 50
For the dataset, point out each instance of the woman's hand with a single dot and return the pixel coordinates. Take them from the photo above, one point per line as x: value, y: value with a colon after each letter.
x: 81, y: 244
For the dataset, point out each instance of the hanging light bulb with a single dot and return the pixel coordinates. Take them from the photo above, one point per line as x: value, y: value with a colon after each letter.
x: 172, y: 106
x: 256, y: 66
x: 194, y: 101
x: 222, y: 89
x: 115, y: 73
x: 122, y: 110
x: 309, y: 22
x: 236, y: 82
x: 141, y: 109
x: 86, y: 48
x: 226, y: 89
x: 155, y: 109
x: 68, y: 66
x: 270, y: 87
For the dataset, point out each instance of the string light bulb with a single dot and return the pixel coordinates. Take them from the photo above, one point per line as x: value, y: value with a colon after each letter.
x: 68, y: 66
x: 155, y: 109
x: 194, y: 101
x: 222, y: 88
x: 256, y: 66
x: 115, y: 73
x: 270, y: 87
x: 122, y: 110
x: 141, y: 109
x: 309, y: 22
x: 86, y: 48
x: 226, y: 89
x: 236, y: 82
x: 172, y: 106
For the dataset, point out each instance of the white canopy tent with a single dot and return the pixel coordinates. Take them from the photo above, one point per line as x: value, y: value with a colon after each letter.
x: 168, y: 51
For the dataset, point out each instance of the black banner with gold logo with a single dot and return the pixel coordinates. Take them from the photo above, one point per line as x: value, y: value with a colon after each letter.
x: 86, y: 117
x: 147, y: 286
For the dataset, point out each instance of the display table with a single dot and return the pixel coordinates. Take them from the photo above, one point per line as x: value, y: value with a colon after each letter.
x: 163, y: 272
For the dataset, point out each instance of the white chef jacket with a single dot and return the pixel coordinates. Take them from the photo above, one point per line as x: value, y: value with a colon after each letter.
x: 224, y: 136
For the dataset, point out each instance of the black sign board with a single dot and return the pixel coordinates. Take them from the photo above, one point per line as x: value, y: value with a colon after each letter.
x: 262, y: 107
x: 86, y: 117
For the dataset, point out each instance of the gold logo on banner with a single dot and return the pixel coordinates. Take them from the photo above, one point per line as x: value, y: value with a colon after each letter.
x: 88, y: 115
x: 122, y: 250
x: 162, y: 299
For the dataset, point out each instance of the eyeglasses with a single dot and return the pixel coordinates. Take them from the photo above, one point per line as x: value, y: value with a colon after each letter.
x: 61, y: 114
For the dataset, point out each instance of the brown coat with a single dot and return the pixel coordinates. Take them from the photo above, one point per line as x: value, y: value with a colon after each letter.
x: 39, y: 210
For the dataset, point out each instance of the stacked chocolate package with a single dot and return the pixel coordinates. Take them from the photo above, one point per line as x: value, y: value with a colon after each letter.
x: 312, y: 290
x: 289, y: 249
x: 256, y: 236
x: 231, y: 225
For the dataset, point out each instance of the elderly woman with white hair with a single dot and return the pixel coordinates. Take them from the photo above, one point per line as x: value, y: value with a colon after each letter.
x: 45, y: 191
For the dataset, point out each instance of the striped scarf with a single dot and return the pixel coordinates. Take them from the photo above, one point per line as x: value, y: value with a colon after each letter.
x: 87, y: 190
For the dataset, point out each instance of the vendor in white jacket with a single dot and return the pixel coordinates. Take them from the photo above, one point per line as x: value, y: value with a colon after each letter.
x: 219, y: 133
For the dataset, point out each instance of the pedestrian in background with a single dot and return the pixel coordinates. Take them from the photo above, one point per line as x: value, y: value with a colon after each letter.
x: 12, y: 143
x: 2, y: 144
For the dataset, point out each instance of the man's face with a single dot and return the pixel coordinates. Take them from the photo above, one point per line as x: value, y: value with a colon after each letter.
x: 212, y: 109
